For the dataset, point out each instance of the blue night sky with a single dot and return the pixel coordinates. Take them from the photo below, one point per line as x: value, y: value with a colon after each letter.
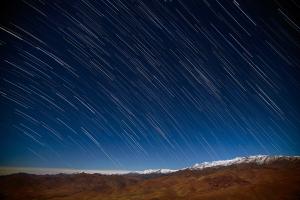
x: 147, y: 84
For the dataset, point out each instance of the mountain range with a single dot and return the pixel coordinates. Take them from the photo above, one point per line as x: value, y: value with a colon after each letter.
x: 252, y: 177
x: 259, y: 160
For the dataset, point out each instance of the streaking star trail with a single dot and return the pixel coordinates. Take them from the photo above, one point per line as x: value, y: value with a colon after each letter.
x: 130, y: 85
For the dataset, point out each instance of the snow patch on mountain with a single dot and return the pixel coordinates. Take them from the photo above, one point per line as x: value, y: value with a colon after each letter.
x: 156, y: 171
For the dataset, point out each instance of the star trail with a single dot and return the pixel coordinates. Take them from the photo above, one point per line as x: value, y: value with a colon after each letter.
x: 132, y: 84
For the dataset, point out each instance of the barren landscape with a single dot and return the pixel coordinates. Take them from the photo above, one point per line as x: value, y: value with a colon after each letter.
x: 277, y: 180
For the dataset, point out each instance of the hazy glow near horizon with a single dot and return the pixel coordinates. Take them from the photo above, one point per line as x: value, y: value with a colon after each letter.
x: 50, y: 171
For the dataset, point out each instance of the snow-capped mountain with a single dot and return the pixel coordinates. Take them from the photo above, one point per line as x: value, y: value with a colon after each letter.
x: 156, y: 171
x: 259, y: 159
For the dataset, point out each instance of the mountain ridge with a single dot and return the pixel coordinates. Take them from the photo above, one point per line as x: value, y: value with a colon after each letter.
x: 254, y: 159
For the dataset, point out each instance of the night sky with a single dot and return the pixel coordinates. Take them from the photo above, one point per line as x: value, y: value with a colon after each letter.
x: 147, y: 84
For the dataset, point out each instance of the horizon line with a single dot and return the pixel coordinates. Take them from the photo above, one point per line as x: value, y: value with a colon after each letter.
x: 8, y: 170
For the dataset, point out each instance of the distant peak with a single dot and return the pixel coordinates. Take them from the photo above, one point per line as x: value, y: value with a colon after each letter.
x: 258, y: 159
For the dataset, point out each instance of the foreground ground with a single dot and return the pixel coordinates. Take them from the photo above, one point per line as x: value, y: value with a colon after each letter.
x: 279, y: 180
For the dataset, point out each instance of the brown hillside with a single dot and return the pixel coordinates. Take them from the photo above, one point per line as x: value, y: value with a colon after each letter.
x: 279, y: 180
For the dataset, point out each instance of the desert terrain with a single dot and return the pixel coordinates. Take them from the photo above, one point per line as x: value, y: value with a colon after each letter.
x: 279, y: 180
